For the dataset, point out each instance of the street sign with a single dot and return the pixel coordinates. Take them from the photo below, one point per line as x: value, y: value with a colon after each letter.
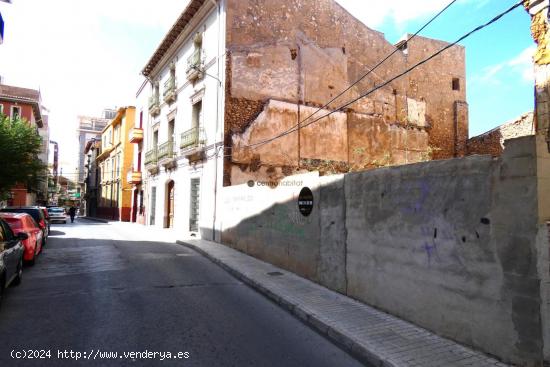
x: 305, y: 201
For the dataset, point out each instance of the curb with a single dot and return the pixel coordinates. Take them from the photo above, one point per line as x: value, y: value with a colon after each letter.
x: 94, y: 219
x: 358, y: 351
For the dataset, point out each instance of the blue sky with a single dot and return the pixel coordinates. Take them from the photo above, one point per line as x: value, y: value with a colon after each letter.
x: 497, y: 63
x: 86, y: 55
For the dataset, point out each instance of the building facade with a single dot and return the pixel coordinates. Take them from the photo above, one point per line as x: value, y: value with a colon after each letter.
x: 182, y: 109
x: 231, y: 75
x: 27, y: 104
x: 91, y: 182
x: 115, y: 161
x: 90, y: 128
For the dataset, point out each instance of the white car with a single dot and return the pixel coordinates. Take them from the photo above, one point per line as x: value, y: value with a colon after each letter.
x: 57, y: 214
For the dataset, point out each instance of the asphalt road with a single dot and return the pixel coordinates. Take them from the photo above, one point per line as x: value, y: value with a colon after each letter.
x: 103, y: 288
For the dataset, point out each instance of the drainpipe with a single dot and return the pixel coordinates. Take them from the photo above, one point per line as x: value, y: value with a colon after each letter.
x: 218, y: 4
x: 299, y: 96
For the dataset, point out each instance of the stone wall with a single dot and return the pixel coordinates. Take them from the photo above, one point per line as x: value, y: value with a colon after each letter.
x: 339, y: 142
x: 457, y: 246
x: 492, y: 142
x: 305, y: 52
x: 446, y: 109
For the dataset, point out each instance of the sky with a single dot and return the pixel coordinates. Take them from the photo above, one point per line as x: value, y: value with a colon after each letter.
x: 85, y: 56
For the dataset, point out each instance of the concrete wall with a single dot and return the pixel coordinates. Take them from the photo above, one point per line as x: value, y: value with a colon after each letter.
x: 264, y: 221
x: 457, y: 246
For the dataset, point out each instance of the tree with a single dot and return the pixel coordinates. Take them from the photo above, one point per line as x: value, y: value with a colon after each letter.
x: 20, y: 145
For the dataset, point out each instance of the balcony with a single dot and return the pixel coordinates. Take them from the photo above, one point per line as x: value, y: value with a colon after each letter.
x: 195, y: 65
x: 192, y: 143
x: 133, y: 177
x: 135, y: 135
x: 166, y: 153
x: 151, y: 159
x: 154, y: 105
x: 169, y: 93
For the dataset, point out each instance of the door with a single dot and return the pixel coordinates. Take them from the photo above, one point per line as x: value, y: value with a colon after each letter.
x: 195, y: 205
x: 170, y: 205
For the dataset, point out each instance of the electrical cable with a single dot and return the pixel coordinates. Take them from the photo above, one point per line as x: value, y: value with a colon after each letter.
x: 368, y: 72
x: 475, y: 30
x: 478, y: 28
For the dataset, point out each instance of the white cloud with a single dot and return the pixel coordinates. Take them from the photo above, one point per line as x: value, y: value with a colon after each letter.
x: 523, y: 63
x: 496, y: 75
x: 62, y: 47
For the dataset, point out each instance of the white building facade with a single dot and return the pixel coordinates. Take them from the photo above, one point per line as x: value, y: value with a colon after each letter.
x: 179, y: 110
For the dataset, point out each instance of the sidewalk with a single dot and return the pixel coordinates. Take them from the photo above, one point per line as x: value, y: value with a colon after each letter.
x: 372, y: 336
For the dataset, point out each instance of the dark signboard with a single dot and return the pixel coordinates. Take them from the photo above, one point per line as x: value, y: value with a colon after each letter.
x: 305, y: 201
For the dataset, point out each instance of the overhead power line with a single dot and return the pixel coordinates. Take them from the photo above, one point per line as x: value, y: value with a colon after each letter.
x: 367, y: 73
x: 478, y: 28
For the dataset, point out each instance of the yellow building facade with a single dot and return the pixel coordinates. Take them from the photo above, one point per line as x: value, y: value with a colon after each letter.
x: 115, y: 162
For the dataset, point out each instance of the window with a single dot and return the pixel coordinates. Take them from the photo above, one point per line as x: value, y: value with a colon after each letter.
x: 156, y: 91
x: 197, y: 114
x: 15, y: 112
x: 118, y: 165
x: 2, y: 236
x: 153, y: 205
x: 141, y: 202
x: 117, y: 134
x: 155, y: 139
x: 456, y: 84
x: 171, y: 130
x: 115, y: 161
x: 8, y: 233
x: 109, y: 114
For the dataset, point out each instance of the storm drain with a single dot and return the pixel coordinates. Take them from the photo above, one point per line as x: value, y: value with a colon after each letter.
x: 275, y: 273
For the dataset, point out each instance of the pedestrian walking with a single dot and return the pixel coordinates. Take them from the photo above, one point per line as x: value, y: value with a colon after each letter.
x: 72, y: 213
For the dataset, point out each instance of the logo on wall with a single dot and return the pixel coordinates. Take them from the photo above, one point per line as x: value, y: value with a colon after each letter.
x: 305, y: 201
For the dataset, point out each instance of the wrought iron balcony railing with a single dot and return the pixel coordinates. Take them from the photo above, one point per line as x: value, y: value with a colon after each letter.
x: 169, y: 86
x: 154, y: 104
x: 166, y: 150
x: 195, y: 59
x: 194, y: 64
x: 192, y: 138
x: 151, y: 157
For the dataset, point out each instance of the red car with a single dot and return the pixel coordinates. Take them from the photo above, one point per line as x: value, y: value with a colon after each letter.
x: 22, y: 222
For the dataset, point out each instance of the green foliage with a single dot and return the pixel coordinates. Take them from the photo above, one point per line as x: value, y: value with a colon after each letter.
x: 20, y: 145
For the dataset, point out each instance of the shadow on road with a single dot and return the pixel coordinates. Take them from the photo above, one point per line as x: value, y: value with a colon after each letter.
x: 56, y: 233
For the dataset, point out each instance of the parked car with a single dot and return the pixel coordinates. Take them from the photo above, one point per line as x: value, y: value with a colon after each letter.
x: 11, y: 257
x: 57, y: 214
x: 36, y: 213
x: 24, y: 223
x: 47, y: 217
